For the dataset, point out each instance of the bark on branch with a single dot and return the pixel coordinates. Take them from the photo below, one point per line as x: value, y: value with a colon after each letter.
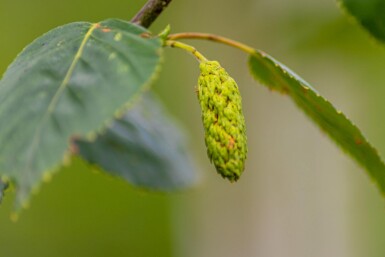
x: 149, y: 12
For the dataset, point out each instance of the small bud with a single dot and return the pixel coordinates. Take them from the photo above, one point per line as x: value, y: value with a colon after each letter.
x: 223, y: 120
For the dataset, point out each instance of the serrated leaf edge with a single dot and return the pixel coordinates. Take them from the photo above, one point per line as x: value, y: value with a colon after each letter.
x: 306, y: 87
x: 91, y: 136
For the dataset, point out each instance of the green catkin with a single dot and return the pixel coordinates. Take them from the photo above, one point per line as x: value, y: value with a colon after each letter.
x: 223, y: 120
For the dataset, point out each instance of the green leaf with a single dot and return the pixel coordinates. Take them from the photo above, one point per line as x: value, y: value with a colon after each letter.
x: 145, y: 147
x: 333, y: 122
x: 370, y: 14
x: 70, y: 81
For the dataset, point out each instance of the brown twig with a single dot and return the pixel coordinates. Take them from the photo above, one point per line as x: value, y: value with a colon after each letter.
x: 149, y: 12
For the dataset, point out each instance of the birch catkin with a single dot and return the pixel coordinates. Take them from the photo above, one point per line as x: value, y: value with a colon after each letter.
x: 223, y: 120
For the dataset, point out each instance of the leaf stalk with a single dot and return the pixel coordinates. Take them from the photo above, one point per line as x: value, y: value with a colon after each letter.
x: 213, y: 37
x: 186, y: 47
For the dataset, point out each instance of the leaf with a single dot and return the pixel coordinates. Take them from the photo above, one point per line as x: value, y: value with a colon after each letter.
x: 370, y: 14
x: 278, y: 77
x: 145, y: 147
x: 70, y: 81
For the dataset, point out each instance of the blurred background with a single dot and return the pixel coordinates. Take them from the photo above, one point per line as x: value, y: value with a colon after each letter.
x: 300, y: 195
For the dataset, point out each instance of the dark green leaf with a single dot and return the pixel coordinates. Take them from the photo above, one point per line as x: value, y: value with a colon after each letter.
x: 277, y: 77
x: 370, y: 14
x: 70, y: 81
x: 145, y: 147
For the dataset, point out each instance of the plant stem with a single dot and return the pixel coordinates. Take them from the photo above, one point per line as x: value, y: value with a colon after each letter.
x: 188, y: 48
x: 212, y: 37
x: 149, y: 12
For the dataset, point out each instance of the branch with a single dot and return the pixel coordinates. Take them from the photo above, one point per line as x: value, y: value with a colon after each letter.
x: 149, y: 12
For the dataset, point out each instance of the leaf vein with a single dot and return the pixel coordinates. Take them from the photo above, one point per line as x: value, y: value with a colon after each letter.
x: 37, y: 135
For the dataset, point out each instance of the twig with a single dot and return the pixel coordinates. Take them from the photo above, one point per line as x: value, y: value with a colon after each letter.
x: 149, y: 12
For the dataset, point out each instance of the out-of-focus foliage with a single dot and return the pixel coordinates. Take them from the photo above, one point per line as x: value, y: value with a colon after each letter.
x: 3, y: 186
x: 370, y: 14
x: 145, y: 147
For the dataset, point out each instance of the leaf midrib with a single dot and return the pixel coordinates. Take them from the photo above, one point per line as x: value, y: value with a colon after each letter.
x: 37, y: 135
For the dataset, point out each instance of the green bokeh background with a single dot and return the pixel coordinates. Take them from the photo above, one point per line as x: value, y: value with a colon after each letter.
x: 300, y: 195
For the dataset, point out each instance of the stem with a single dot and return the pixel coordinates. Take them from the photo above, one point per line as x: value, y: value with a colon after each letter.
x: 212, y: 37
x: 188, y: 48
x: 149, y: 12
